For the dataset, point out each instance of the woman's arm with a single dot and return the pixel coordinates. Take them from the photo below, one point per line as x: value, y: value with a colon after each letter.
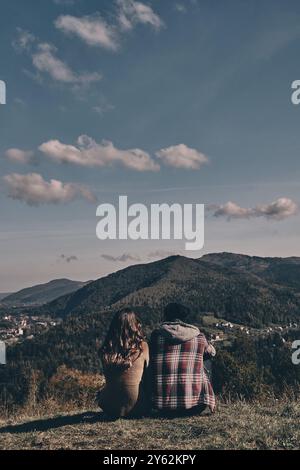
x: 146, y: 353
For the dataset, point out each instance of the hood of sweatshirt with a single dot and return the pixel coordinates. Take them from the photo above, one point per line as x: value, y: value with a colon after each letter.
x: 178, y: 331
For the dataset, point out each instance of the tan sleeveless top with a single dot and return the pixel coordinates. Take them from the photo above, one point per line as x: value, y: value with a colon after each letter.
x: 124, y: 392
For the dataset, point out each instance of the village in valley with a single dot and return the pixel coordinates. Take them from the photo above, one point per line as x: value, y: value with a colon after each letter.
x: 18, y: 325
x: 22, y: 326
x: 222, y: 330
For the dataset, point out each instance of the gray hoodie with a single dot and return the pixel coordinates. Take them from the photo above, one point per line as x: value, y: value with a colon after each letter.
x: 178, y: 331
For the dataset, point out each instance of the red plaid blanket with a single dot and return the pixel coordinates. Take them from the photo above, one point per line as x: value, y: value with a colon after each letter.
x: 178, y: 375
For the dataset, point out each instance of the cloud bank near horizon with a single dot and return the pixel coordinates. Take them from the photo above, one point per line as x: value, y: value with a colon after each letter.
x: 128, y: 257
x: 280, y: 209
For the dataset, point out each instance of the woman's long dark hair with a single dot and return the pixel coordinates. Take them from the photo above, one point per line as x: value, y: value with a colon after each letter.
x: 123, y: 342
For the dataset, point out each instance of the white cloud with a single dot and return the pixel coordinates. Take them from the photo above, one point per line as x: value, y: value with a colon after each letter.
x: 231, y: 210
x: 132, y: 13
x: 181, y: 156
x: 19, y: 156
x: 44, y: 59
x: 91, y: 29
x: 89, y: 153
x: 280, y: 209
x: 34, y: 190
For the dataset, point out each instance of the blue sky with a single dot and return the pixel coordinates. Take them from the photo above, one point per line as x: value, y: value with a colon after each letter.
x: 201, y: 88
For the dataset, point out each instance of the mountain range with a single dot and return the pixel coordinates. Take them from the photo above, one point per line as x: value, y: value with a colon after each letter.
x: 239, y: 288
x: 42, y: 293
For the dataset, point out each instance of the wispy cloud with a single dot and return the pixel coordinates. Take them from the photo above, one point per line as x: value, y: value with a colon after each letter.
x: 93, y: 30
x: 180, y: 7
x: 131, y: 13
x: 124, y: 258
x: 23, y: 40
x: 68, y: 259
x: 280, y: 209
x: 34, y: 190
x: 19, y: 156
x: 101, y: 109
x: 45, y: 60
x: 102, y: 106
x: 132, y: 257
x: 89, y: 153
x: 182, y: 156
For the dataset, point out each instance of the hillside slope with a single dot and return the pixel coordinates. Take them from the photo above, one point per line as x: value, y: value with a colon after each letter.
x: 281, y: 271
x: 240, y: 295
x: 235, y: 426
x: 3, y: 295
x: 43, y: 293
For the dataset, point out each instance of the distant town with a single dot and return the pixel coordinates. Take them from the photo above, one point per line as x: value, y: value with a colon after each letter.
x: 17, y: 324
x: 18, y: 327
x: 223, y: 330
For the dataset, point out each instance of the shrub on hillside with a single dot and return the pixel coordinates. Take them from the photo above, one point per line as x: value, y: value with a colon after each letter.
x: 71, y: 385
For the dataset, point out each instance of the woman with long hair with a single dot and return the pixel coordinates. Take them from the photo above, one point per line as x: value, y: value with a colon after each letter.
x: 125, y: 358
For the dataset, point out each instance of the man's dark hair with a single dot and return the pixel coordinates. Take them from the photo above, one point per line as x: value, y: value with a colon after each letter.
x: 175, y: 311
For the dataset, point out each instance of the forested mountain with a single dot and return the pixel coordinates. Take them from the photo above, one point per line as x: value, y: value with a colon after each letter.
x: 249, y: 290
x: 282, y: 271
x: 3, y: 295
x: 43, y: 293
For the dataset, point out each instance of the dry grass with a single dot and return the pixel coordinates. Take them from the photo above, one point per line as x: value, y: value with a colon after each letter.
x: 239, y: 425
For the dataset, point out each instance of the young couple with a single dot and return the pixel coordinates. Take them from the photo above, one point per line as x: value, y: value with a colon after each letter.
x: 168, y: 375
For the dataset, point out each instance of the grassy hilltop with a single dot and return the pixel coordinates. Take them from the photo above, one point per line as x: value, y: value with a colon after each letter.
x: 274, y: 425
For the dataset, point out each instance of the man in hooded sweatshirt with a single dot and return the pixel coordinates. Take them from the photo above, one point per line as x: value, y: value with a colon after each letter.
x: 180, y: 382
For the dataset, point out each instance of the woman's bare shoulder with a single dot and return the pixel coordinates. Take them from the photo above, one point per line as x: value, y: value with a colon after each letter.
x: 145, y: 352
x: 145, y: 348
